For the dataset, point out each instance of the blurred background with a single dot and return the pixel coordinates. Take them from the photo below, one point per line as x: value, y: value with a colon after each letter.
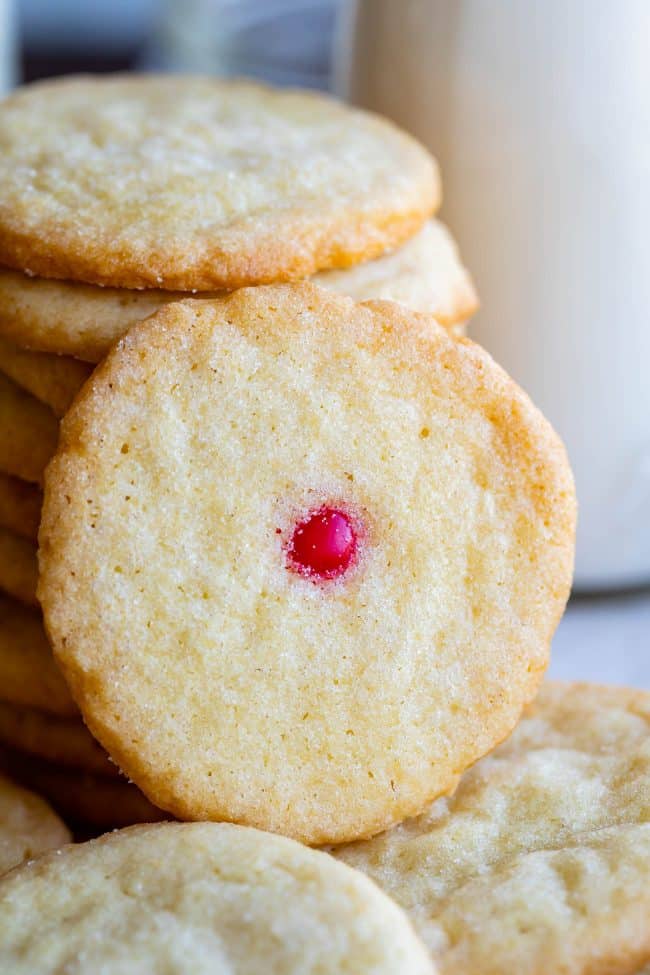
x: 287, y: 41
x: 540, y: 117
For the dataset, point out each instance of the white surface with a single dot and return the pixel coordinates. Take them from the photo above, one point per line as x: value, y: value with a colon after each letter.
x: 605, y: 639
x: 540, y: 116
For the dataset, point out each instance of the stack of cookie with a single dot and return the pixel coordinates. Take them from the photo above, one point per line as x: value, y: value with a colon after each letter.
x: 137, y: 193
x: 539, y: 863
x: 301, y: 560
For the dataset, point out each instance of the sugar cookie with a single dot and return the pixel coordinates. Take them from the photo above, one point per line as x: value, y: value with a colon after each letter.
x: 28, y: 674
x: 301, y: 559
x: 28, y: 826
x: 63, y: 741
x: 540, y: 861
x: 205, y: 898
x: 18, y: 567
x: 20, y: 506
x: 28, y: 432
x: 188, y: 183
x: 83, y: 320
x: 53, y: 379
x: 91, y: 800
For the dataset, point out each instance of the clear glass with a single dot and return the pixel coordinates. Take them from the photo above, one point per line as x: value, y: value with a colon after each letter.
x: 540, y: 116
x: 287, y: 42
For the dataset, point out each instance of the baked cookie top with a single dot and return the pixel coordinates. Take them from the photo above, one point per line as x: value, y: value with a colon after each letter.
x: 205, y: 898
x: 301, y: 559
x: 540, y: 861
x: 83, y: 320
x: 195, y: 183
x: 28, y: 826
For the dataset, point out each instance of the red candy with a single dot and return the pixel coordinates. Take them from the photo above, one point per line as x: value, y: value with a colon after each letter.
x: 323, y: 545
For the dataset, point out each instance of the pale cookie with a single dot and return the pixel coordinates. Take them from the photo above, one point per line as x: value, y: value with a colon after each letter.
x: 91, y: 800
x: 18, y: 567
x: 28, y: 827
x: 205, y: 898
x: 20, y: 506
x: 195, y: 184
x: 53, y: 379
x: 62, y: 741
x: 71, y: 319
x: 28, y: 432
x: 28, y: 675
x: 302, y: 559
x: 540, y: 862
x: 424, y: 274
x: 83, y: 320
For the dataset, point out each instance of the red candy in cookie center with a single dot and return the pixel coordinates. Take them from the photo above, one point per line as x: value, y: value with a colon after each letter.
x: 323, y: 544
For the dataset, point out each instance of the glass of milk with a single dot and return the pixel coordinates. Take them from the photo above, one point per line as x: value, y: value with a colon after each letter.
x: 7, y: 46
x: 540, y: 116
x: 286, y: 42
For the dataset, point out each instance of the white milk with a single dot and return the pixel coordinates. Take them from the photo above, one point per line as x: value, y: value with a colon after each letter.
x: 539, y: 113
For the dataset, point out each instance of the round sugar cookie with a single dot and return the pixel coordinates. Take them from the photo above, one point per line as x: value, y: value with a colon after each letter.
x: 68, y: 318
x: 81, y: 797
x: 18, y: 567
x: 82, y: 320
x: 540, y: 861
x: 53, y: 379
x: 28, y: 432
x: 28, y: 827
x: 206, y: 898
x: 301, y: 560
x: 189, y: 183
x: 425, y: 274
x: 20, y: 506
x: 63, y: 741
x: 28, y: 675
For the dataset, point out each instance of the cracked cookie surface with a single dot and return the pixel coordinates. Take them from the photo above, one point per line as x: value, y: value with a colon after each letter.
x: 540, y: 860
x: 205, y: 898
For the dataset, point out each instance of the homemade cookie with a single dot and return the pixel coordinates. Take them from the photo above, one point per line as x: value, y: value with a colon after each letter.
x: 91, y: 800
x: 28, y: 675
x: 20, y: 506
x: 18, y: 567
x: 204, y: 898
x: 301, y: 559
x: 62, y: 741
x: 28, y: 432
x: 540, y: 861
x: 83, y: 320
x: 71, y: 319
x: 188, y: 183
x: 28, y: 826
x: 424, y: 274
x: 53, y: 379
